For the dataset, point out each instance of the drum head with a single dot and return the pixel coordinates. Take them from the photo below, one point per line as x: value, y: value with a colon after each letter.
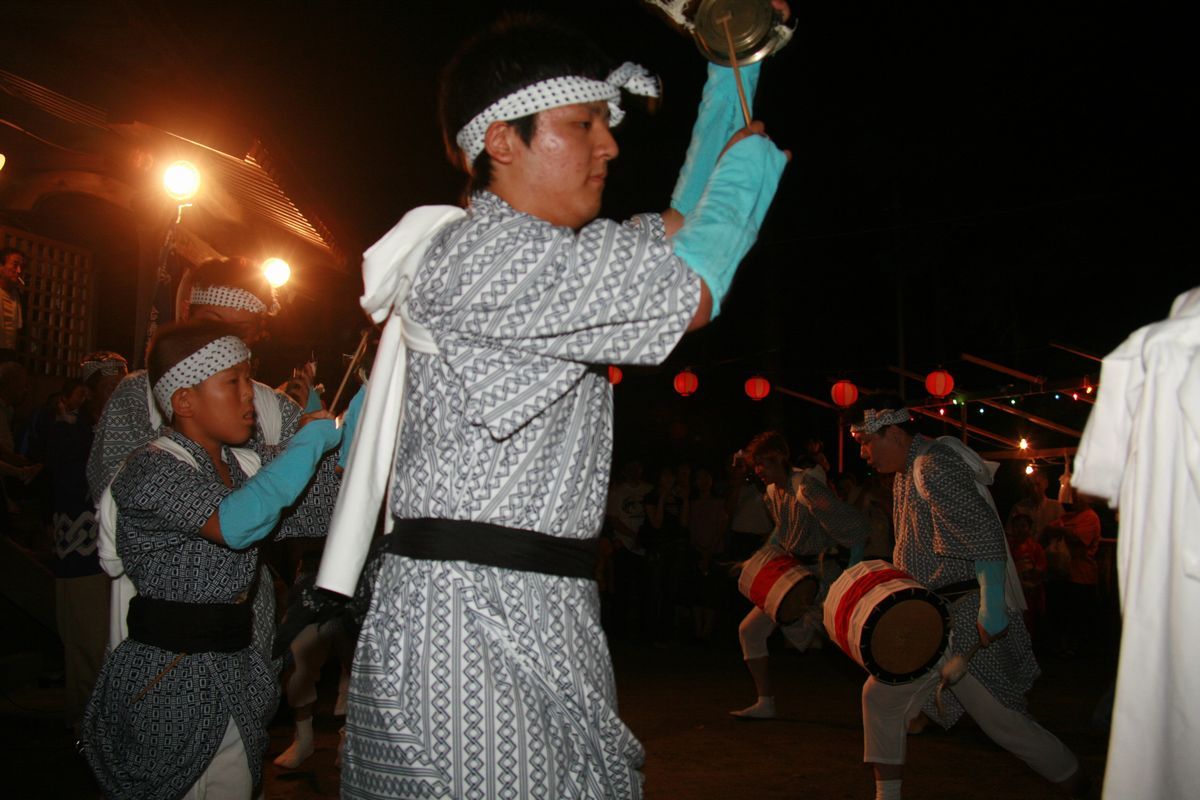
x: 908, y: 638
x: 751, y: 24
x: 796, y: 602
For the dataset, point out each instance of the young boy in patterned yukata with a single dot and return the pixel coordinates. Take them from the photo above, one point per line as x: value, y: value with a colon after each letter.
x: 949, y: 537
x: 181, y: 706
x: 482, y: 670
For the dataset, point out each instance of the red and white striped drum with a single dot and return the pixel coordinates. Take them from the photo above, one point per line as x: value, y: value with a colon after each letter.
x: 880, y: 616
x: 778, y: 584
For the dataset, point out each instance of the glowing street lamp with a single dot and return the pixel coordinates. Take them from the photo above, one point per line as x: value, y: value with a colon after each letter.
x: 181, y: 181
x: 277, y: 271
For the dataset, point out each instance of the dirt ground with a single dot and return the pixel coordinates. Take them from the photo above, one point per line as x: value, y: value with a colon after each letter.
x: 676, y: 700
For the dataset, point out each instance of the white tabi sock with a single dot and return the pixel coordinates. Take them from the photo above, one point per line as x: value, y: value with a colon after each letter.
x: 887, y: 790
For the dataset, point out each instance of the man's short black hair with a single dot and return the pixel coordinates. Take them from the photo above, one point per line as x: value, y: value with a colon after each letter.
x: 514, y: 53
x: 9, y: 251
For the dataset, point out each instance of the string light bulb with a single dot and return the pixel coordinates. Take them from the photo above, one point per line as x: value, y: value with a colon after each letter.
x: 1024, y: 445
x: 1029, y: 468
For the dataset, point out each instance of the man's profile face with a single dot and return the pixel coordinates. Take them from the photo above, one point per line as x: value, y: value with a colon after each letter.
x: 885, y: 450
x: 562, y: 171
x: 12, y: 269
x: 771, y: 467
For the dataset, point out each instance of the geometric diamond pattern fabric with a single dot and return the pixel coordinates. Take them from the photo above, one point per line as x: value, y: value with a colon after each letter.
x: 511, y: 422
x: 475, y: 682
x: 158, y: 745
x: 938, y: 543
x: 480, y: 682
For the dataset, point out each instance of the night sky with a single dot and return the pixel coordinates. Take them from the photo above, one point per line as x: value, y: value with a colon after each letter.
x: 966, y: 177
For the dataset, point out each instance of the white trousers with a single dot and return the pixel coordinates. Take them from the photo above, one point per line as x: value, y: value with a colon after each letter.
x: 228, y: 774
x: 888, y: 709
x: 757, y: 627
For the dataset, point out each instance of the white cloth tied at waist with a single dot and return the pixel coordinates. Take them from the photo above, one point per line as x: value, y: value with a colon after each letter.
x: 389, y: 268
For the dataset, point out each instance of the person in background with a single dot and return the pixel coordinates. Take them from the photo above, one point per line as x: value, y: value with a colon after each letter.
x: 706, y: 526
x: 12, y: 318
x: 80, y: 585
x: 1030, y: 560
x: 809, y: 520
x: 1074, y: 608
x: 949, y: 538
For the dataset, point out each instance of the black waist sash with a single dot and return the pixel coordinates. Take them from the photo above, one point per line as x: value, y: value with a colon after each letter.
x: 958, y: 589
x: 189, y: 627
x: 493, y: 546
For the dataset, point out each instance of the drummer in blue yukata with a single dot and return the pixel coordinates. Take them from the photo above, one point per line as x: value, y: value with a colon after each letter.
x: 482, y: 670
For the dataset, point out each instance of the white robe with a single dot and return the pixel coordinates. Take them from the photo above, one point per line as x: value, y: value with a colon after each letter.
x: 1141, y: 451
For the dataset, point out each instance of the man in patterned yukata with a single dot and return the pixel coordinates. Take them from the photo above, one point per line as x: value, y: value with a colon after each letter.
x: 949, y: 537
x: 482, y: 670
x: 809, y: 519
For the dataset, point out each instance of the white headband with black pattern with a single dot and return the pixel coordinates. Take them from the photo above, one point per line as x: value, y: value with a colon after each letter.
x: 113, y: 364
x: 874, y: 420
x: 555, y: 92
x: 233, y: 297
x: 201, y: 365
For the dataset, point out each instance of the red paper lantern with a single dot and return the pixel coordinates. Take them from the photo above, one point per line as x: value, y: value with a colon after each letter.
x: 844, y: 393
x: 686, y: 383
x: 939, y: 383
x: 758, y: 387
x: 614, y: 374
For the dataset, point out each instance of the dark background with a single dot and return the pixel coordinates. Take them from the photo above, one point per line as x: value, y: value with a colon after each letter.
x: 967, y: 178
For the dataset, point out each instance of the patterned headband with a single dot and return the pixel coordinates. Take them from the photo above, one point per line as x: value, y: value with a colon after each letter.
x: 874, y: 420
x: 106, y: 363
x: 554, y: 92
x: 233, y: 297
x: 201, y: 365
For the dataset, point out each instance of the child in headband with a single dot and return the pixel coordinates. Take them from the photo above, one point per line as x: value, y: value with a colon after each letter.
x: 184, y: 701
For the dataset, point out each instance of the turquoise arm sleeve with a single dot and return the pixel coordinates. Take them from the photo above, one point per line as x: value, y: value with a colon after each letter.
x: 250, y: 513
x: 350, y: 424
x: 314, y: 401
x: 993, y: 615
x: 719, y: 117
x: 856, y: 553
x: 722, y: 227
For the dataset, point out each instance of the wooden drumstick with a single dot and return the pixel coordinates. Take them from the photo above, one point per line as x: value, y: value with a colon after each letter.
x: 737, y: 72
x: 355, y: 360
